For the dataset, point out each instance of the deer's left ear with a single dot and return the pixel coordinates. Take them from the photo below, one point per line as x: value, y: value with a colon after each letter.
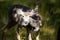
x: 36, y: 8
x: 34, y: 11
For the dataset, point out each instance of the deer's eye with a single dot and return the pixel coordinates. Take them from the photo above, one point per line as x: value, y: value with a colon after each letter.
x: 22, y: 16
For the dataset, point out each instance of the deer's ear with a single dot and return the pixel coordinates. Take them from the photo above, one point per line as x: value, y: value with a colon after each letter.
x: 19, y: 11
x: 36, y: 8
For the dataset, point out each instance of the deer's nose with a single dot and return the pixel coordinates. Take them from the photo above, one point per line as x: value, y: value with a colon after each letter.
x: 25, y: 22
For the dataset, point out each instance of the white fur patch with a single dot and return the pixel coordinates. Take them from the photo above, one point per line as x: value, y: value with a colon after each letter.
x: 15, y: 15
x: 19, y: 11
x: 36, y: 29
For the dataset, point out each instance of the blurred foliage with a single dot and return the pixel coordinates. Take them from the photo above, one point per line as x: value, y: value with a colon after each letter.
x: 49, y: 11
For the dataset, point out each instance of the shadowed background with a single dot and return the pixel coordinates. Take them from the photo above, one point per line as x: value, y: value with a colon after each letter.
x: 49, y: 11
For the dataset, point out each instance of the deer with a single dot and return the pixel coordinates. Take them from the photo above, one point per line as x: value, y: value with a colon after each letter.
x: 24, y: 17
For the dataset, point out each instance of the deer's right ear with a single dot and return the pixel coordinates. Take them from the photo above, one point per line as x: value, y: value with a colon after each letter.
x: 19, y: 11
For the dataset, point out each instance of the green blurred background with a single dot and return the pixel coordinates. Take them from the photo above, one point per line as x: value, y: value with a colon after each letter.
x: 49, y: 11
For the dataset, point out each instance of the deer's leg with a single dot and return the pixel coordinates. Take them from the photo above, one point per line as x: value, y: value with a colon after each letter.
x: 6, y: 28
x: 37, y: 37
x: 18, y: 35
x: 17, y: 32
x: 28, y: 35
x: 36, y: 30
